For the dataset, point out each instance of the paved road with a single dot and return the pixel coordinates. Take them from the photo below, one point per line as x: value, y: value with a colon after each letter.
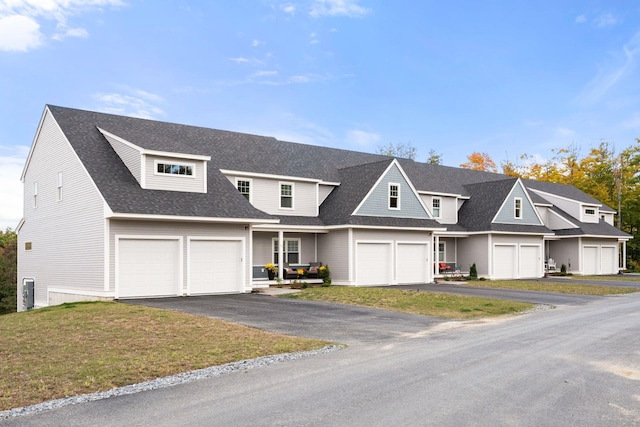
x: 574, y: 365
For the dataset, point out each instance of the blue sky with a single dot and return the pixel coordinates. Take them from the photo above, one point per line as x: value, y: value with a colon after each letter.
x: 501, y: 77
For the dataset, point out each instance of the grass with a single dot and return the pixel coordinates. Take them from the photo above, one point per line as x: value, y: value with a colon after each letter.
x: 613, y: 278
x: 86, y: 347
x: 409, y: 301
x: 569, y: 287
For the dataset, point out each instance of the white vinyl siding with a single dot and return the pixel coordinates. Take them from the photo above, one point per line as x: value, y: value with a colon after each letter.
x: 131, y: 157
x: 323, y: 192
x: 265, y: 195
x: 333, y: 250
x: 61, y: 231
x: 195, y: 183
x: 184, y: 230
x: 448, y: 208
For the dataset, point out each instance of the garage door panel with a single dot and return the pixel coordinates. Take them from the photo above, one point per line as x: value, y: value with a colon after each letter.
x: 529, y: 262
x: 148, y: 267
x: 215, y: 266
x: 590, y: 260
x: 373, y: 264
x: 504, y: 262
x: 412, y: 262
x: 608, y: 262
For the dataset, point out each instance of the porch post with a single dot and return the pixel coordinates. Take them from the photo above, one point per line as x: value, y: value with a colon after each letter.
x: 280, y: 254
x: 624, y: 254
x: 436, y: 254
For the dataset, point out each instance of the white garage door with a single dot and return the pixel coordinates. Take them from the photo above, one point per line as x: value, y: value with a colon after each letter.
x: 504, y: 262
x: 590, y: 260
x: 215, y: 266
x: 148, y: 268
x: 412, y: 261
x: 609, y: 264
x: 529, y: 262
x: 373, y: 263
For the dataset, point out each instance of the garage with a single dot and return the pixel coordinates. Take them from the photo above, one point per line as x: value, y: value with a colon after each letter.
x: 529, y: 262
x: 590, y: 260
x: 504, y: 261
x: 147, y: 267
x: 608, y: 264
x: 412, y: 262
x: 215, y: 266
x: 373, y: 263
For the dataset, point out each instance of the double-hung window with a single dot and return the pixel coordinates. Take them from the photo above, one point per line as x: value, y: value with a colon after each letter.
x: 441, y: 251
x: 435, y: 203
x: 244, y: 187
x: 286, y: 195
x: 290, y: 250
x: 394, y: 196
x: 517, y: 208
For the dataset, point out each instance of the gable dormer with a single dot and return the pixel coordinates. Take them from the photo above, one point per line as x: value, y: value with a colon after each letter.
x: 580, y: 210
x: 517, y: 208
x: 393, y: 195
x: 160, y: 170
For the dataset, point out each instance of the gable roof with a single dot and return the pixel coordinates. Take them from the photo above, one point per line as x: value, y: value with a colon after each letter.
x: 566, y: 191
x: 601, y: 228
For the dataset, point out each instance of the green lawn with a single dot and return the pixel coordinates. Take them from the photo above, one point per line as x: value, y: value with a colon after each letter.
x: 572, y: 286
x: 86, y: 347
x: 410, y: 301
x: 613, y: 278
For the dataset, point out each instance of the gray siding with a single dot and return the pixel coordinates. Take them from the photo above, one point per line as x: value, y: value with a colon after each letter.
x: 323, y: 192
x: 571, y: 207
x: 67, y: 236
x: 506, y: 214
x: 265, y: 195
x: 474, y: 249
x: 333, y: 250
x: 567, y: 252
x: 263, y: 247
x: 377, y: 204
x: 185, y: 230
x: 448, y: 208
x: 194, y: 184
x: 131, y: 157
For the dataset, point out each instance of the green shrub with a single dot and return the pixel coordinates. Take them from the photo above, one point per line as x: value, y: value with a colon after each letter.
x: 473, y: 272
x: 563, y: 269
x: 297, y: 284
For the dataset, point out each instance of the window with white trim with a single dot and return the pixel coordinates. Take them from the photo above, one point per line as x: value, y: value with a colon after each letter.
x: 291, y: 251
x: 394, y: 196
x: 244, y: 187
x: 436, y: 202
x: 286, y: 195
x: 517, y: 208
x: 589, y: 211
x: 441, y: 251
x: 178, y: 169
x: 59, y: 186
x: 35, y: 194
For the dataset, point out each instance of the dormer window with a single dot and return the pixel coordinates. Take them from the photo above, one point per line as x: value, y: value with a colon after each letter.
x: 286, y: 195
x: 180, y: 169
x: 394, y: 196
x: 517, y: 208
x: 244, y: 187
x: 435, y: 204
x: 589, y: 211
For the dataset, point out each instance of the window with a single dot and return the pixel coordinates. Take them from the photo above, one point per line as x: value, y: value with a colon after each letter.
x: 27, y: 246
x: 394, y: 196
x: 589, y: 211
x: 35, y: 194
x: 291, y: 251
x: 244, y: 187
x: 174, y: 169
x: 286, y: 196
x: 435, y: 203
x: 517, y: 211
x: 441, y: 251
x: 59, y: 186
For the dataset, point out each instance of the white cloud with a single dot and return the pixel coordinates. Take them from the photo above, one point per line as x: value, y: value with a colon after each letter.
x: 605, y: 20
x: 362, y: 138
x: 21, y: 21
x: 135, y: 103
x: 613, y: 73
x: 581, y: 19
x: 348, y: 8
x: 239, y: 59
x: 256, y: 43
x: 313, y: 38
x: 11, y: 164
x: 288, y: 8
x: 19, y: 33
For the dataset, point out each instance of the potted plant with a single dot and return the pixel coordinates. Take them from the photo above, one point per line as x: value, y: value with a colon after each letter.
x: 271, y: 270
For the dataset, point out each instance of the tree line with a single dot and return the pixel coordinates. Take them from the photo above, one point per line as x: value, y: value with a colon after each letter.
x: 8, y: 270
x: 609, y: 175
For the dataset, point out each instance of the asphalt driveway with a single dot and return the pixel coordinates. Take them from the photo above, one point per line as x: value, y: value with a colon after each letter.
x: 333, y: 322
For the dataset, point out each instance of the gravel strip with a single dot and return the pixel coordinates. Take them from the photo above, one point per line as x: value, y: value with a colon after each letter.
x: 181, y: 378
x: 537, y: 307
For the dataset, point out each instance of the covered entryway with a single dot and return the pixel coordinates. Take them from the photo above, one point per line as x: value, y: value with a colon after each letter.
x: 373, y: 263
x: 148, y: 267
x: 504, y: 261
x: 215, y: 266
x: 412, y: 262
x: 529, y: 262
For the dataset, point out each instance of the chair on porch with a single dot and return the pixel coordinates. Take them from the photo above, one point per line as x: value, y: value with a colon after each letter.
x: 288, y: 272
x: 314, y: 270
x: 551, y: 264
x: 443, y: 267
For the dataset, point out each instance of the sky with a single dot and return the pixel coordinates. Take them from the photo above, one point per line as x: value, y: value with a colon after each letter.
x: 503, y: 77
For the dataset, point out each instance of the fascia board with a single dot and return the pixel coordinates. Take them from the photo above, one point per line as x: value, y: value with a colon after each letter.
x: 190, y: 218
x: 35, y: 140
x: 272, y: 176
